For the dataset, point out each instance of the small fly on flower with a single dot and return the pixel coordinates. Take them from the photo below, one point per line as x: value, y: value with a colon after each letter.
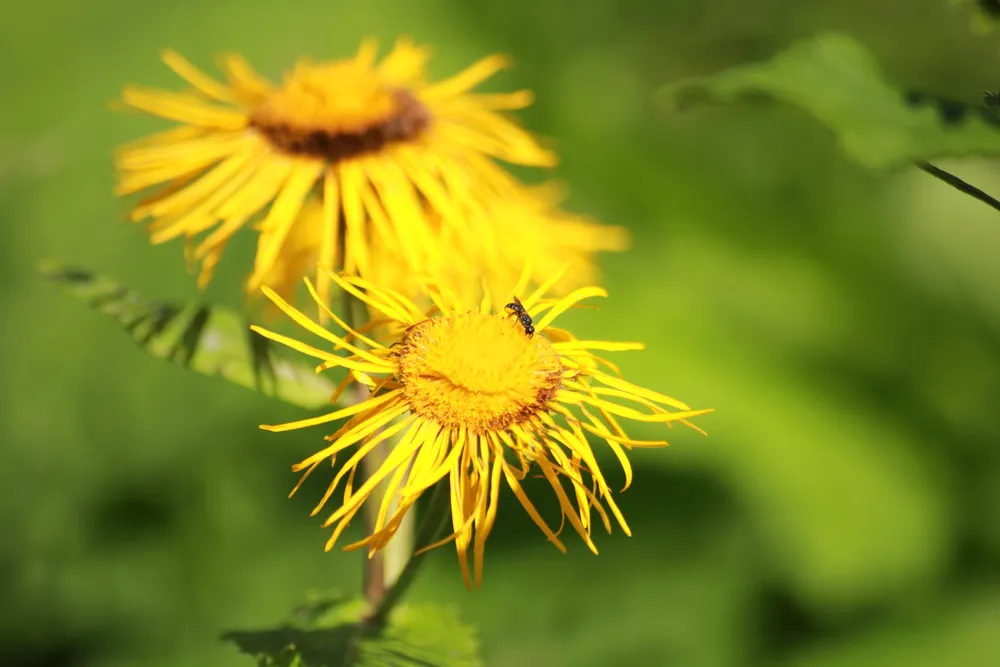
x: 523, y: 317
x: 991, y: 98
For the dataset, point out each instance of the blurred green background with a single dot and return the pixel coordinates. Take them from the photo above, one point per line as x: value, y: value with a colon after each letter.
x: 845, y: 509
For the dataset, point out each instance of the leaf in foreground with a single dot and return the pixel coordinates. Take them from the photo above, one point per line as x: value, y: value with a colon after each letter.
x: 205, y: 339
x: 837, y: 80
x: 331, y: 632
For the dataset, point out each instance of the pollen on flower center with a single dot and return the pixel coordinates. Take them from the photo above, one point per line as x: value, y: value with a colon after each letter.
x: 477, y: 370
x: 337, y: 111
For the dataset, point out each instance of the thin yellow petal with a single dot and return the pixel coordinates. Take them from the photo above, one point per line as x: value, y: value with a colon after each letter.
x: 351, y: 333
x: 331, y: 238
x: 283, y: 214
x: 636, y: 390
x: 541, y: 290
x: 467, y: 79
x: 204, y: 83
x: 395, y: 458
x: 183, y: 108
x: 566, y: 302
x: 576, y: 398
x: 200, y: 189
x: 243, y: 77
x: 519, y: 493
x: 333, y: 416
x: 295, y: 345
x: 361, y: 426
x: 303, y: 321
x: 490, y: 514
x: 603, y: 345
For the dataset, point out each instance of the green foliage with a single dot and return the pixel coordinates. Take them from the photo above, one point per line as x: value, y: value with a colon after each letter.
x: 984, y: 14
x: 844, y: 327
x: 205, y: 339
x: 838, y: 81
x: 960, y: 631
x: 332, y: 631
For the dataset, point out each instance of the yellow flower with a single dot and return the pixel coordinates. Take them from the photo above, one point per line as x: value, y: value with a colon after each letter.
x: 528, y: 228
x: 531, y: 229
x: 376, y: 143
x: 474, y: 399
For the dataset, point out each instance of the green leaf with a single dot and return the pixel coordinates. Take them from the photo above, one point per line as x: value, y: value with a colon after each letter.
x: 205, y: 339
x: 838, y: 81
x: 332, y: 631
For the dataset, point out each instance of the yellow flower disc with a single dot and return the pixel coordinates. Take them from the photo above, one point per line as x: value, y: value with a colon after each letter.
x: 480, y: 371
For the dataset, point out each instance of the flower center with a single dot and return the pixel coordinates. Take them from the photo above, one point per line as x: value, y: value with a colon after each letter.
x: 337, y: 111
x: 479, y: 371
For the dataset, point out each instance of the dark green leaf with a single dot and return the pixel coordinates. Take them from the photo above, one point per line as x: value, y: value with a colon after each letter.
x: 837, y: 80
x: 205, y: 339
x: 331, y: 631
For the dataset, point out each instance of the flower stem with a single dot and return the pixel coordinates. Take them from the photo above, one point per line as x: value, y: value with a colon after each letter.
x: 380, y: 571
x: 435, y: 520
x: 959, y: 184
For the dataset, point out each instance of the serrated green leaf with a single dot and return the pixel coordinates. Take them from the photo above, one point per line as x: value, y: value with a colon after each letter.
x: 331, y: 631
x: 209, y: 340
x: 838, y: 81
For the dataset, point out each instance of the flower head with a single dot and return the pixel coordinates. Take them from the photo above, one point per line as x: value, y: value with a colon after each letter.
x: 474, y: 399
x: 526, y: 229
x: 380, y: 148
x: 532, y: 230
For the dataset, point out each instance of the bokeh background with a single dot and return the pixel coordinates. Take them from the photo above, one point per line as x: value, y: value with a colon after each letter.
x: 845, y: 509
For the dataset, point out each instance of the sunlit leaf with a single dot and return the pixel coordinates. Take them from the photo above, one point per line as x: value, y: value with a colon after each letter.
x: 205, y: 339
x: 331, y: 631
x: 838, y: 81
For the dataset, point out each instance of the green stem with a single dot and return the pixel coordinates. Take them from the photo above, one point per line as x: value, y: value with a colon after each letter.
x: 959, y: 184
x: 379, y: 572
x: 434, y: 523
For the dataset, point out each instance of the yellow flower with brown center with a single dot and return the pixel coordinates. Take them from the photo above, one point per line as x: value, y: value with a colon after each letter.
x: 474, y: 398
x: 375, y: 142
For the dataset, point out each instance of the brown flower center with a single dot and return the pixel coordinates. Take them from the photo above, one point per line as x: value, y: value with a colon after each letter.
x: 338, y: 111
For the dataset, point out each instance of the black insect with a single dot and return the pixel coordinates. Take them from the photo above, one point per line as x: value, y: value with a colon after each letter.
x: 991, y: 98
x: 522, y: 316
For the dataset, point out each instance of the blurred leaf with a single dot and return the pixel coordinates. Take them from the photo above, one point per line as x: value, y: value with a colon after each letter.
x: 962, y: 633
x: 850, y: 507
x: 984, y: 14
x: 205, y: 339
x: 685, y: 590
x: 836, y: 79
x: 331, y: 631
